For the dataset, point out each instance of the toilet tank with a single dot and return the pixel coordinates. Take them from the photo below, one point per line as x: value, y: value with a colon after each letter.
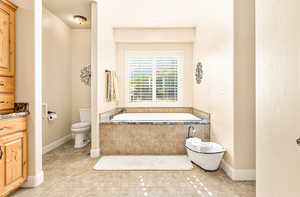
x: 85, y: 115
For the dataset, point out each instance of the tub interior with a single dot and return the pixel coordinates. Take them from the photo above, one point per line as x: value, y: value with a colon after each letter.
x: 155, y: 117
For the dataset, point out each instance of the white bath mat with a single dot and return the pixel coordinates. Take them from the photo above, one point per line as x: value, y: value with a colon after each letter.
x: 144, y: 162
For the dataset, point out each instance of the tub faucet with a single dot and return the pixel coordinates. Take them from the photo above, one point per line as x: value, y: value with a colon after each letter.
x: 189, y: 130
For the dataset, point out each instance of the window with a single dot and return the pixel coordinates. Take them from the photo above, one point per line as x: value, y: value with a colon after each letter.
x: 154, y: 78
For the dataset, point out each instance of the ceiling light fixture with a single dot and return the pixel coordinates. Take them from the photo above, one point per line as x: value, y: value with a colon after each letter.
x: 80, y: 19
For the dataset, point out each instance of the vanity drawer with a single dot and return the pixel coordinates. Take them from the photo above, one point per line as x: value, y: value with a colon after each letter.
x: 7, y: 84
x: 7, y: 101
x: 11, y: 125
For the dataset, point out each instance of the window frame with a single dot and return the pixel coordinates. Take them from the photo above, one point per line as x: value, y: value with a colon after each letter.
x: 153, y: 54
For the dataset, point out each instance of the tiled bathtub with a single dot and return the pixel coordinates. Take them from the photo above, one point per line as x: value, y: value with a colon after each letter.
x: 159, y: 134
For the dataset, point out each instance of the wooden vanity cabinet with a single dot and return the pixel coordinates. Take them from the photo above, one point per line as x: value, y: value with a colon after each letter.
x: 7, y: 55
x: 13, y: 154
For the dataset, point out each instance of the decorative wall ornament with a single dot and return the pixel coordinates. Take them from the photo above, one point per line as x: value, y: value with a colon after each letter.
x: 199, y: 73
x: 85, y: 75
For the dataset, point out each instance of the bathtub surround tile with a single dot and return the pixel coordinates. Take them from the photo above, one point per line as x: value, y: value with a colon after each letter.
x: 21, y: 107
x: 124, y: 139
x: 68, y: 172
x: 201, y: 131
x: 111, y: 139
x: 201, y: 114
x: 107, y: 116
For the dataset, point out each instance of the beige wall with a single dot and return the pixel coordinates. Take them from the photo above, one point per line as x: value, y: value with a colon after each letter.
x: 278, y: 89
x: 215, y: 94
x: 228, y: 87
x: 57, y: 81
x: 244, y: 84
x: 187, y: 85
x: 154, y: 34
x: 81, y: 57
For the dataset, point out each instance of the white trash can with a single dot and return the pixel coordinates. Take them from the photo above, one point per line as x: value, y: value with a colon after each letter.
x: 207, y: 155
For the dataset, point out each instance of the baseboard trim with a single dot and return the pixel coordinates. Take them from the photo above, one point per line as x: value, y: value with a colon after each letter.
x: 57, y: 143
x: 95, y: 153
x: 238, y: 174
x: 34, y: 181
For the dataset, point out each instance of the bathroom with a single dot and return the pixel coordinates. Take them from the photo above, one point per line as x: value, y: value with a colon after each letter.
x: 204, y: 85
x: 158, y: 98
x: 194, y: 90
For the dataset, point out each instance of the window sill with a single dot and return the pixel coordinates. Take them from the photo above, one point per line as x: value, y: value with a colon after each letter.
x: 158, y: 104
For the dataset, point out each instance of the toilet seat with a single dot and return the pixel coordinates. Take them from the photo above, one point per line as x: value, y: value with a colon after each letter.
x: 204, y: 147
x: 81, y: 130
x: 81, y: 125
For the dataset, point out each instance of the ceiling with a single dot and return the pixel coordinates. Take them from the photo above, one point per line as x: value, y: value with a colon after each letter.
x: 66, y: 9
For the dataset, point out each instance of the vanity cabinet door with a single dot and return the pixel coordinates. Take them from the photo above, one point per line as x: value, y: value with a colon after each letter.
x: 13, y: 163
x: 7, y: 40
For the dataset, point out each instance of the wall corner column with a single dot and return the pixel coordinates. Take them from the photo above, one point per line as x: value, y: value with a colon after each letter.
x: 95, y: 133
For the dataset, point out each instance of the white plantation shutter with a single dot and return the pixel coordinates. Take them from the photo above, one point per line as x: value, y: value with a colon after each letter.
x: 154, y: 78
x: 140, y: 79
x: 166, y: 79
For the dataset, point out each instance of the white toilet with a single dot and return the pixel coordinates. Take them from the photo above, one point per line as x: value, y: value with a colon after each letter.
x: 207, y: 155
x: 81, y: 130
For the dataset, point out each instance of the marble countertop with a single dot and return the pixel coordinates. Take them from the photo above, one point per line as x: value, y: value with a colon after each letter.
x: 20, y: 110
x: 13, y: 115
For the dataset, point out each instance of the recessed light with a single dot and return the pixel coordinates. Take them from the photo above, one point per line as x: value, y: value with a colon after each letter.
x: 80, y: 19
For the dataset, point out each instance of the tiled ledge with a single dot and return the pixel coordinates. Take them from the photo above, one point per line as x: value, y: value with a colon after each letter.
x: 150, y: 122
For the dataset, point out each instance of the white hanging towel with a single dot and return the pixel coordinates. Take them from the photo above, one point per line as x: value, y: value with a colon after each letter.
x: 115, y: 87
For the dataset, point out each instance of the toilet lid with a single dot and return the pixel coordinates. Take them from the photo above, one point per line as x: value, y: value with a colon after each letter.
x: 79, y: 125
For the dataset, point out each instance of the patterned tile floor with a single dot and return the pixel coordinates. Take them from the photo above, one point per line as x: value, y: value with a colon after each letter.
x: 69, y: 173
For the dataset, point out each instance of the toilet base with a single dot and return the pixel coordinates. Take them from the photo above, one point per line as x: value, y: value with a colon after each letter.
x: 208, y: 162
x: 81, y: 140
